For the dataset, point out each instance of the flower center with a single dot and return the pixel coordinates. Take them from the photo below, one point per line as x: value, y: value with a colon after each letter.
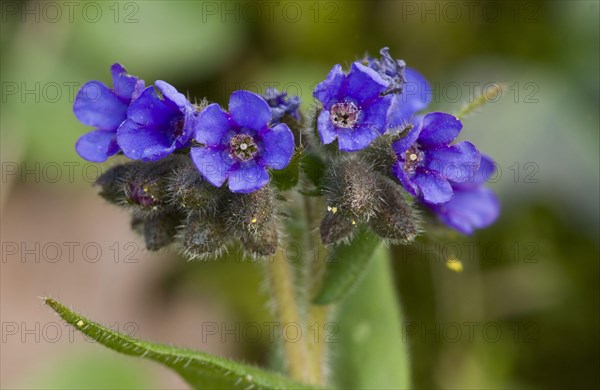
x: 412, y: 158
x: 242, y: 147
x: 177, y: 126
x: 345, y: 114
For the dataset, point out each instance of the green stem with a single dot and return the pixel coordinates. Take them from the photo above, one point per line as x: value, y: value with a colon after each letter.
x: 287, y: 311
x: 485, y: 97
x: 318, y: 315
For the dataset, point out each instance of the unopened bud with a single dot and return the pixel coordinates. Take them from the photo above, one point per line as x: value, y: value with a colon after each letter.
x: 203, y: 237
x: 251, y: 219
x: 189, y: 191
x: 380, y: 155
x: 160, y: 230
x: 113, y: 182
x: 397, y: 221
x: 336, y: 227
x: 351, y: 187
x: 249, y: 213
x: 147, y: 191
x: 262, y: 243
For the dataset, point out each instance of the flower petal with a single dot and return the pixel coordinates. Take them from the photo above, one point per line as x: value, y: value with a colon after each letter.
x: 470, y: 210
x: 456, y: 163
x: 357, y: 139
x: 189, y: 121
x: 278, y: 145
x: 172, y: 97
x: 249, y: 110
x: 327, y: 91
x: 487, y: 169
x: 97, y: 145
x: 407, y: 183
x: 150, y: 110
x: 375, y: 114
x: 439, y: 129
x: 363, y: 84
x: 403, y: 144
x: 416, y: 90
x: 143, y: 143
x: 213, y: 163
x: 211, y: 125
x: 124, y: 84
x: 96, y: 105
x: 249, y: 177
x: 327, y: 131
x: 433, y: 188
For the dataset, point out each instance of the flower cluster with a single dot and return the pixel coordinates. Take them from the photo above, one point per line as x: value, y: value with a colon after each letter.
x: 375, y: 109
x: 151, y: 123
x: 203, y: 176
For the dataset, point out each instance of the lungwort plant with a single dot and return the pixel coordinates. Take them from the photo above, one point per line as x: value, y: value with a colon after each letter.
x: 367, y: 166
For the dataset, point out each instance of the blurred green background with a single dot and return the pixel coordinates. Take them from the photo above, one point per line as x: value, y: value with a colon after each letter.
x: 522, y: 314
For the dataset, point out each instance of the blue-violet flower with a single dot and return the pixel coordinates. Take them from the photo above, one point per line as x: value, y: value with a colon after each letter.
x: 411, y: 90
x: 158, y: 122
x: 426, y: 163
x: 105, y: 109
x: 354, y: 109
x: 239, y: 145
x: 281, y: 104
x: 473, y: 205
x: 390, y: 69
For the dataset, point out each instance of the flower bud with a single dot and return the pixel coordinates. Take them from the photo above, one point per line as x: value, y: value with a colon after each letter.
x: 251, y: 219
x: 352, y: 189
x: 397, y: 221
x: 188, y: 190
x: 248, y: 213
x: 146, y: 191
x: 263, y: 243
x: 160, y: 230
x: 336, y: 227
x: 380, y: 155
x: 203, y: 237
x: 113, y: 182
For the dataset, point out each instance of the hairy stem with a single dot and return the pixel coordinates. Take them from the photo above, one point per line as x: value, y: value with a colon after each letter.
x: 317, y: 315
x: 489, y: 95
x: 287, y: 311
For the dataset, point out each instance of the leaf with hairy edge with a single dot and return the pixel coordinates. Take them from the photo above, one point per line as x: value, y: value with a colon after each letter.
x: 346, y: 266
x: 200, y: 370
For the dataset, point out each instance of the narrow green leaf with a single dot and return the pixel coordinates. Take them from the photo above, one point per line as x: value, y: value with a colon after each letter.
x: 369, y: 350
x: 346, y: 266
x: 200, y: 370
x: 287, y: 178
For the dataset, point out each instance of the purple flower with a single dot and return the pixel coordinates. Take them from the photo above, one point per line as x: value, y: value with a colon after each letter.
x: 473, y: 206
x: 158, y: 122
x: 239, y: 145
x: 427, y: 164
x: 410, y: 89
x: 415, y: 97
x: 105, y: 109
x: 354, y: 109
x: 281, y: 105
x: 390, y: 69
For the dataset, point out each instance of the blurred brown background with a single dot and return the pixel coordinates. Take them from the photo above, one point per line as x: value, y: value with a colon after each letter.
x: 522, y: 314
